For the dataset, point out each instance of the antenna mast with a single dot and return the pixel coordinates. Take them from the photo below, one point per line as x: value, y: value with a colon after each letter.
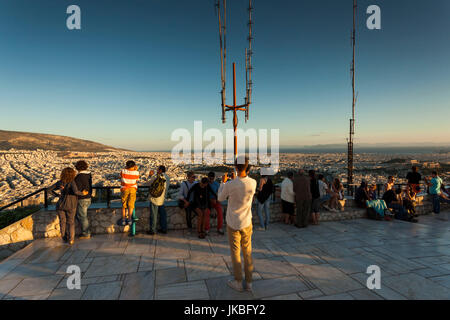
x: 223, y: 65
x: 352, y: 120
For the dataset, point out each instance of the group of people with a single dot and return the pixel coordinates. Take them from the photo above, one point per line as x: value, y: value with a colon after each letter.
x: 303, y: 196
x: 400, y: 203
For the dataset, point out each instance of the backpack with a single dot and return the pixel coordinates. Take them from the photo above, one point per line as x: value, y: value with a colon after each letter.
x: 157, y: 187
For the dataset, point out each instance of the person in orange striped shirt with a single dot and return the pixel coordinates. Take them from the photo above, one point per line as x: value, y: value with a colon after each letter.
x: 128, y: 179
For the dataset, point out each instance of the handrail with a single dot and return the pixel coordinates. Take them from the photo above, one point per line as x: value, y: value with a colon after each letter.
x: 108, y: 188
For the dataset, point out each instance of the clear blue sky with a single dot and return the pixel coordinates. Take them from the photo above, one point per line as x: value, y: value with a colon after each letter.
x: 155, y: 64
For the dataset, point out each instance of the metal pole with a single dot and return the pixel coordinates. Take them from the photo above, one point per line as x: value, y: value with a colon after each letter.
x: 234, y: 111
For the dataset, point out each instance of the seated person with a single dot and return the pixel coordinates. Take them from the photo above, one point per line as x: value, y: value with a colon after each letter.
x: 362, y: 195
x: 409, y: 200
x: 338, y: 190
x: 202, y: 193
x: 373, y: 192
x: 393, y: 201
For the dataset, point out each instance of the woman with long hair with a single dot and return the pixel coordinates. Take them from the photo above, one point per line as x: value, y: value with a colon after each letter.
x: 67, y: 203
x: 338, y: 189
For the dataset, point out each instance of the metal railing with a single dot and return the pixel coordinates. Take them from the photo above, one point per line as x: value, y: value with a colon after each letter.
x: 104, y: 194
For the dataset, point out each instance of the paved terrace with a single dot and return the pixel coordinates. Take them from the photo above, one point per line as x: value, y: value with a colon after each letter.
x: 321, y: 262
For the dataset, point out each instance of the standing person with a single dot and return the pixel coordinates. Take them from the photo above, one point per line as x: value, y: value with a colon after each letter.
x: 183, y: 197
x: 201, y: 194
x: 303, y: 198
x: 128, y: 180
x: 84, y: 182
x: 414, y: 178
x: 288, y: 198
x: 265, y: 190
x: 435, y: 186
x: 239, y: 193
x: 67, y: 203
x: 315, y: 194
x: 214, y: 205
x: 159, y: 185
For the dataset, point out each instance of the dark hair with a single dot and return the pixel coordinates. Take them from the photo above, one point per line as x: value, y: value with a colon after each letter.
x: 390, y: 177
x: 211, y: 174
x: 337, y: 183
x: 162, y: 168
x: 414, y: 168
x: 434, y: 172
x: 130, y: 164
x: 81, y: 165
x: 290, y: 174
x: 320, y: 176
x: 240, y: 167
x: 67, y: 175
x: 311, y: 173
x: 204, y: 180
x: 189, y: 174
x: 398, y: 191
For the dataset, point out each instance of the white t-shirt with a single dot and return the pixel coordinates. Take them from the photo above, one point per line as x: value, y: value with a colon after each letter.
x: 287, y: 190
x: 322, y: 188
x: 239, y: 193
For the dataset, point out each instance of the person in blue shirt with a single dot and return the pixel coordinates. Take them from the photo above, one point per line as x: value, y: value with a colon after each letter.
x: 435, y: 191
x: 215, y: 204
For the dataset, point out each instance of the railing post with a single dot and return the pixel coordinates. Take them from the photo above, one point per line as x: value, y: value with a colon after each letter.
x: 45, y: 199
x: 108, y: 198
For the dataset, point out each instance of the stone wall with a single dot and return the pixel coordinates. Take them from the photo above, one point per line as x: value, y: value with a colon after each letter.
x: 45, y: 224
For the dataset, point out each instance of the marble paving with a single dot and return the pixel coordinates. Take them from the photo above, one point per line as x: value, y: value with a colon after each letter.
x: 325, y: 262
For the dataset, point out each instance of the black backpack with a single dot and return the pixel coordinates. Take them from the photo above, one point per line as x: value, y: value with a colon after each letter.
x: 157, y: 187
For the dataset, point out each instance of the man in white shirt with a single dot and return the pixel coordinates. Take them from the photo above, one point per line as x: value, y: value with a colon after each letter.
x: 239, y: 193
x: 288, y: 198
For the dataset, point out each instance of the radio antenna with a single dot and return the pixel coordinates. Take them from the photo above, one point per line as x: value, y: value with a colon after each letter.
x: 221, y: 6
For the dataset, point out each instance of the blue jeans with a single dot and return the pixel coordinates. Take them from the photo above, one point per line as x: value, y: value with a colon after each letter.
x: 266, y: 207
x: 400, y: 212
x: 82, y: 208
x: 154, y: 211
x: 436, y: 200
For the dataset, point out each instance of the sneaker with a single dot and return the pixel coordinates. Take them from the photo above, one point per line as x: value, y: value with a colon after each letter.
x: 260, y: 229
x: 129, y: 222
x: 123, y: 223
x: 236, y: 285
x: 85, y: 236
x: 220, y: 231
x: 206, y: 232
x: 71, y: 242
x: 327, y: 207
x: 248, y: 287
x: 387, y: 218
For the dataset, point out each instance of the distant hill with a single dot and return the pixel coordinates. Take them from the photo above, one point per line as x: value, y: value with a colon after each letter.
x: 34, y: 141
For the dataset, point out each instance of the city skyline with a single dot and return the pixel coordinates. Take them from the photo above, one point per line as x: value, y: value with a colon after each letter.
x: 157, y: 63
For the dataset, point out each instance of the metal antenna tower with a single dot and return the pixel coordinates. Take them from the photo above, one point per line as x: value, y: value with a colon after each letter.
x: 222, y: 14
x: 352, y: 120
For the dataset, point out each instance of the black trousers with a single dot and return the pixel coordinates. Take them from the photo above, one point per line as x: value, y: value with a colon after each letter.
x: 67, y: 223
x: 303, y: 212
x: 189, y: 217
